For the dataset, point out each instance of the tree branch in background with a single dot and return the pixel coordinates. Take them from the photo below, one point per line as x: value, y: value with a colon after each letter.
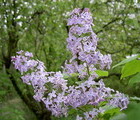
x: 37, y: 108
x: 109, y: 52
x: 106, y: 25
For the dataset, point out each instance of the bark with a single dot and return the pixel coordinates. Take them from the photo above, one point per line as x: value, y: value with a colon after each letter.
x: 37, y: 108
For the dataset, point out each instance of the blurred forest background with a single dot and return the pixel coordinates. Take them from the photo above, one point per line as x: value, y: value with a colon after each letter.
x: 40, y: 26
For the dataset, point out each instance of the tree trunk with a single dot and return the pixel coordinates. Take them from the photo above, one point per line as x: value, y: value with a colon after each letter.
x: 37, y: 108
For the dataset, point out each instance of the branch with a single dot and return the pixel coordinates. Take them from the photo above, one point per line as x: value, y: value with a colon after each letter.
x: 37, y: 109
x: 110, y: 51
x: 37, y: 13
x: 106, y: 25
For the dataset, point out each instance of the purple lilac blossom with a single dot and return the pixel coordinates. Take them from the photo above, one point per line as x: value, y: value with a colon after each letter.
x: 62, y: 96
x: 90, y: 115
x: 82, y: 42
x: 119, y: 100
x: 51, y: 87
x: 38, y: 78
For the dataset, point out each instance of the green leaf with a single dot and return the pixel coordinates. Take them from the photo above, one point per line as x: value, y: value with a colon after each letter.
x: 126, y: 61
x: 74, y: 74
x: 86, y: 108
x: 70, y: 75
x: 72, y: 111
x: 135, y: 79
x: 109, y: 111
x: 131, y: 68
x: 120, y: 116
x: 101, y: 73
x: 133, y: 111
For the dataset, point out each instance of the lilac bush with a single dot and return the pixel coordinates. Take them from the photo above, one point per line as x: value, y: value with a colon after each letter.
x: 53, y: 88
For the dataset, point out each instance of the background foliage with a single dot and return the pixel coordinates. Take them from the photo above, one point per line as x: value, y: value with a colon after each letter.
x: 40, y: 26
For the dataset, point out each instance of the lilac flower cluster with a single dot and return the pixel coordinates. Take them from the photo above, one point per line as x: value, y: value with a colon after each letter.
x: 119, y: 100
x: 51, y: 87
x: 33, y: 73
x: 37, y: 76
x: 82, y: 41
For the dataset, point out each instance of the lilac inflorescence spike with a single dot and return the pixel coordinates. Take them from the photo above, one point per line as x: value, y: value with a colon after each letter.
x: 53, y: 89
